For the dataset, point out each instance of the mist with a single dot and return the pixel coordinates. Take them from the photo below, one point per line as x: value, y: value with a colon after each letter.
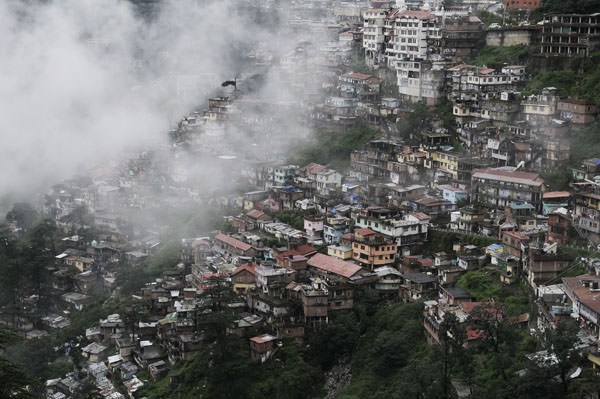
x: 84, y: 81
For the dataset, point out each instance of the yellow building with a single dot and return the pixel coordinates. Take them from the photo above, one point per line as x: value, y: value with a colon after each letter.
x: 244, y: 278
x: 340, y: 252
x: 84, y: 264
x: 446, y: 162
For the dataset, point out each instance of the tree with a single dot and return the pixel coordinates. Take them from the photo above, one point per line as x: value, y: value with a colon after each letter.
x: 490, y: 317
x: 452, y: 338
x: 23, y: 214
x: 14, y: 382
x: 560, y: 342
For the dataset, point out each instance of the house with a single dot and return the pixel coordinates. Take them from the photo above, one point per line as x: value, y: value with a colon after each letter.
x: 452, y: 295
x: 315, y: 302
x: 244, y: 277
x: 158, y: 369
x: 372, y: 250
x: 579, y: 112
x: 97, y: 370
x: 77, y: 300
x: 544, y: 265
x: 340, y: 251
x: 128, y: 370
x: 584, y: 294
x: 328, y: 180
x: 262, y: 347
x: 522, y: 214
x: 389, y: 280
x: 331, y: 267
x: 555, y: 199
x: 313, y: 226
x: 470, y: 219
x: 94, y: 351
x: 335, y: 227
x: 234, y: 246
x: 515, y: 244
x: 558, y: 226
x: 418, y: 286
x: 454, y: 194
x: 148, y: 353
x: 360, y: 85
x: 432, y: 206
x: 570, y: 35
x: 500, y: 187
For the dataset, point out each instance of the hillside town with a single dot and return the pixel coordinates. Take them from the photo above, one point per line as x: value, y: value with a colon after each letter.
x: 449, y: 199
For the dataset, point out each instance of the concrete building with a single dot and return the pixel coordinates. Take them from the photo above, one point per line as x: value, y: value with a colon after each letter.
x: 497, y: 188
x: 570, y: 35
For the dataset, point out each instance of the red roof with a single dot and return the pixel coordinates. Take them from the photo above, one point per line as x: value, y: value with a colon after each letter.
x: 356, y: 75
x: 425, y: 262
x: 507, y: 175
x: 364, y: 232
x: 428, y: 201
x: 246, y: 266
x: 201, y: 242
x: 233, y: 242
x: 314, y: 168
x: 474, y: 334
x: 305, y: 250
x: 420, y: 215
x: 556, y: 194
x: 516, y: 235
x: 334, y: 265
x: 468, y: 307
x: 255, y: 213
x: 261, y: 339
x: 285, y: 254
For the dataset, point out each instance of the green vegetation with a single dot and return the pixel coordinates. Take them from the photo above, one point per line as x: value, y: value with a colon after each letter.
x: 438, y: 241
x: 485, y: 284
x: 358, y: 63
x: 568, y: 7
x: 489, y: 18
x: 293, y: 218
x: 13, y: 380
x: 334, y: 148
x: 392, y: 358
x: 585, y: 143
x: 581, y: 82
x: 557, y: 180
x: 497, y: 57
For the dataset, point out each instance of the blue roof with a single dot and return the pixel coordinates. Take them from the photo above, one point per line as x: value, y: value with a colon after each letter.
x: 595, y: 161
x: 494, y: 247
x: 287, y: 188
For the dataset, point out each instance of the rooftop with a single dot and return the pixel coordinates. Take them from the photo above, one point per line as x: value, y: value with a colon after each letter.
x: 334, y: 265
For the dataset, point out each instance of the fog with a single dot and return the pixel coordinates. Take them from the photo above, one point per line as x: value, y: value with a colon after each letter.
x: 83, y: 81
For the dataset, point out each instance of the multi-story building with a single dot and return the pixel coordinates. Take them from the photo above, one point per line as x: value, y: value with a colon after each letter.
x: 499, y: 187
x: 541, y: 108
x: 376, y: 34
x: 558, y: 226
x: 421, y: 80
x: 579, y: 112
x: 586, y: 217
x: 283, y: 175
x: 570, y: 35
x: 582, y: 292
x: 359, y: 85
x: 372, y: 249
x: 408, y: 232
